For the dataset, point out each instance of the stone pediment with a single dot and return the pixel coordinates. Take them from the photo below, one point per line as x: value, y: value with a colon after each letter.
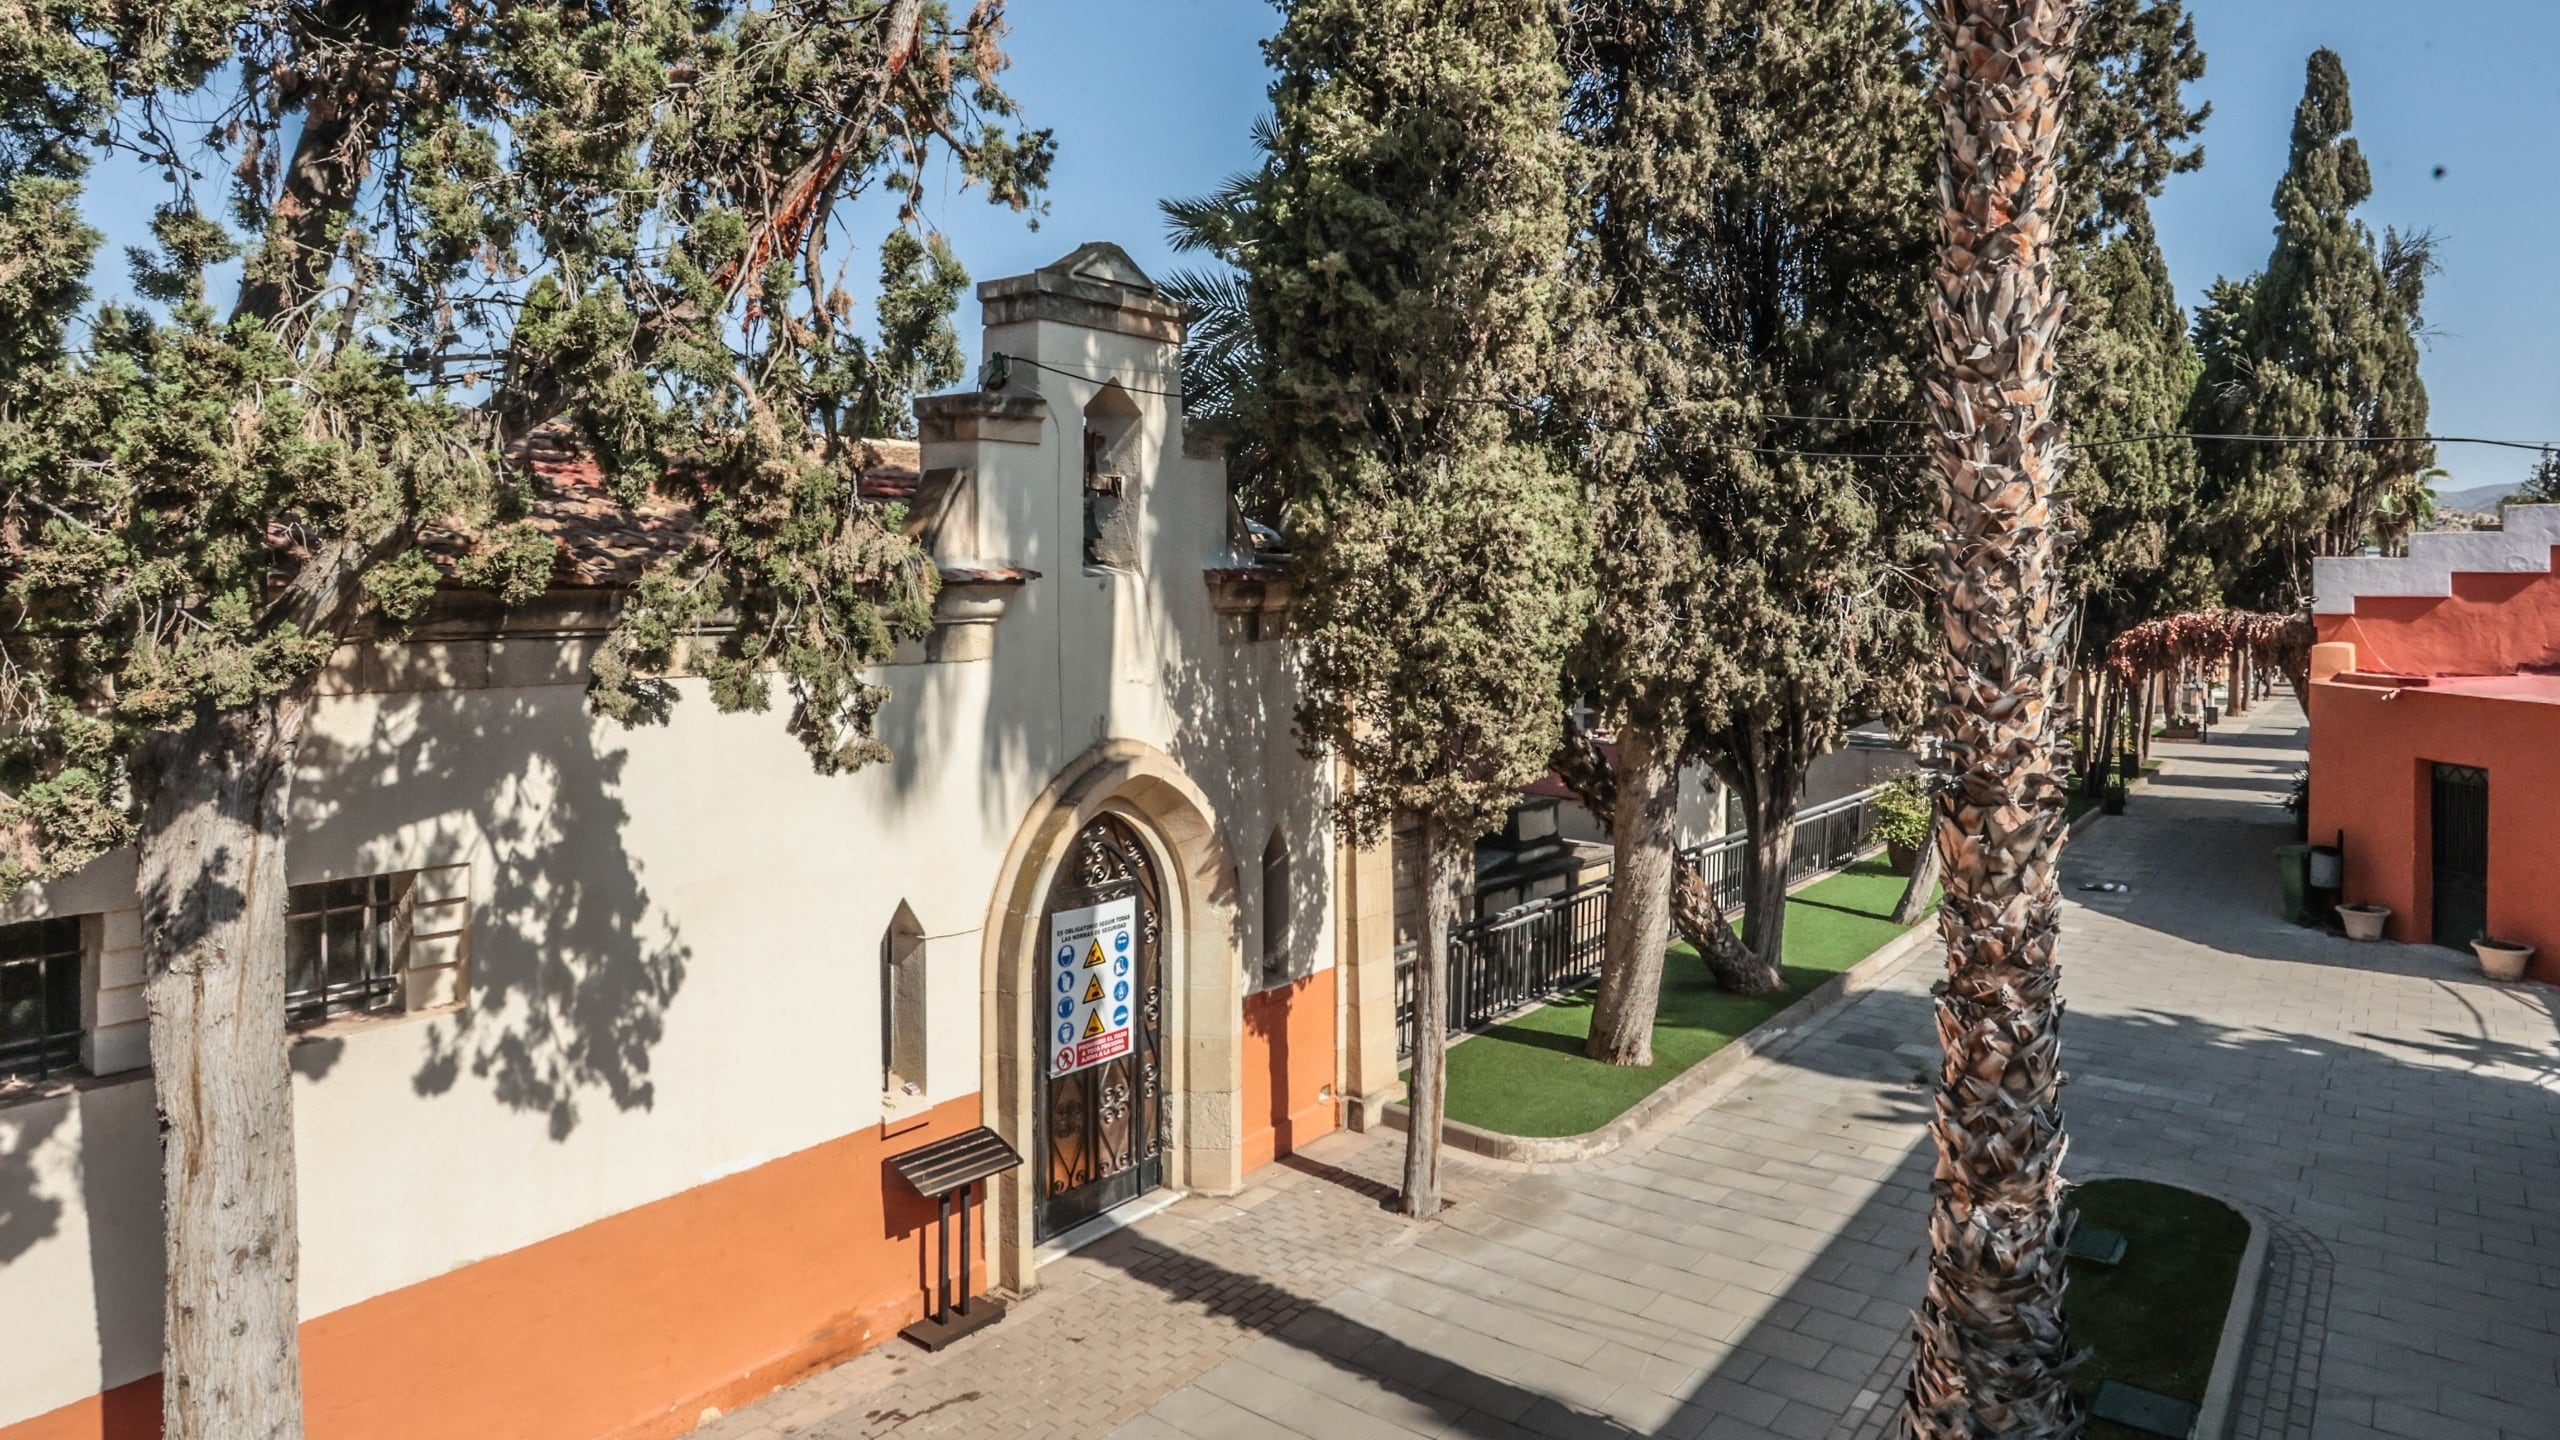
x: 1100, y: 260
x: 1096, y: 285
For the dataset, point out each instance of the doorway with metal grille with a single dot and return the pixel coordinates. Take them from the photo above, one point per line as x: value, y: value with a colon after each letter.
x: 2459, y: 818
x: 1100, y: 1114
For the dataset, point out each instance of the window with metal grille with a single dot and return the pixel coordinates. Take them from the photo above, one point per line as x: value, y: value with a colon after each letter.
x: 40, y: 997
x: 345, y: 944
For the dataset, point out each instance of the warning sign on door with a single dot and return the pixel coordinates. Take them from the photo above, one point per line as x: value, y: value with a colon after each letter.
x: 1092, y: 962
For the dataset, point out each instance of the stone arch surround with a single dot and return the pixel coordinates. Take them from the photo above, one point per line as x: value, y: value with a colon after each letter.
x: 1204, y: 1075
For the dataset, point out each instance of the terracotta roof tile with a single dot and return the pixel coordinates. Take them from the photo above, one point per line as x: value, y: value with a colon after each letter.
x: 603, y: 544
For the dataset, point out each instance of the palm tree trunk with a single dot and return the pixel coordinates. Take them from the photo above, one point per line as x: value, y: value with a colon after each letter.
x: 1447, y: 853
x: 1645, y: 830
x: 1992, y: 1354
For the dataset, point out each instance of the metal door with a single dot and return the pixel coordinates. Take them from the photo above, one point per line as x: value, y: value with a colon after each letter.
x: 1101, y: 1127
x: 2460, y: 810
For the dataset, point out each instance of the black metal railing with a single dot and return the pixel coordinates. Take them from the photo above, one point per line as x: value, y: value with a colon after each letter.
x: 1552, y: 946
x: 1829, y: 836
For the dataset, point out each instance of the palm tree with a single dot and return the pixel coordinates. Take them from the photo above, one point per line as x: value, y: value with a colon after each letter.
x: 2406, y: 509
x: 1992, y: 1350
x: 1221, y: 355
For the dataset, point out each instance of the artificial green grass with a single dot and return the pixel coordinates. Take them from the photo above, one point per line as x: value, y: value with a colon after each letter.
x: 2154, y: 1320
x: 1529, y: 1076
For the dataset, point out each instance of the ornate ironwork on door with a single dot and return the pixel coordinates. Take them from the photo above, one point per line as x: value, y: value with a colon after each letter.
x: 1101, y: 1117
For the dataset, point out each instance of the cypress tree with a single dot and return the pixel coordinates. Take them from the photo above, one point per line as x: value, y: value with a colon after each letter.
x: 1756, y: 254
x: 2128, y: 367
x: 455, y: 223
x: 1404, y: 278
x: 2326, y: 344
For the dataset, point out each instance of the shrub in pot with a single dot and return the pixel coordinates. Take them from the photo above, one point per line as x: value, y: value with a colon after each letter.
x: 1903, y: 813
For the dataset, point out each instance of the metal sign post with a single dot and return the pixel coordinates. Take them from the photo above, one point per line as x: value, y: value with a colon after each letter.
x: 939, y: 1172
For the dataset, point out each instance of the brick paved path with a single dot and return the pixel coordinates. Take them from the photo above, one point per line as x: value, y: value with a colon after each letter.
x: 1746, y: 1267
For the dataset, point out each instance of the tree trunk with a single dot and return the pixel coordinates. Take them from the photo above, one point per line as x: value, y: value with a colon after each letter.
x: 2083, y: 706
x: 2142, y: 735
x: 2239, y: 683
x: 1924, y: 884
x: 1446, y: 855
x: 1646, y: 838
x: 1993, y: 1358
x: 1769, y: 823
x: 212, y: 881
x: 1702, y: 924
x: 2100, y: 771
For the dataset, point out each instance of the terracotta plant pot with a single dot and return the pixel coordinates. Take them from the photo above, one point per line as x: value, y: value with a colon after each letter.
x: 2363, y: 922
x: 2500, y: 960
x: 1900, y: 858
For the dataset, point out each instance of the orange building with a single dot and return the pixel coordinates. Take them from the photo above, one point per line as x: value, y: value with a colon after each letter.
x: 2435, y: 733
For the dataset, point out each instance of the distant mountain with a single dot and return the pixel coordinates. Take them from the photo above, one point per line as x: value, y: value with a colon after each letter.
x: 2478, y: 497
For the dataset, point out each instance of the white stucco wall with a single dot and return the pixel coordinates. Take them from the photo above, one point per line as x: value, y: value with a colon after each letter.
x: 676, y: 930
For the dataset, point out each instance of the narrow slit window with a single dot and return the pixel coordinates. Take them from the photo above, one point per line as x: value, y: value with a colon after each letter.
x: 1275, y: 906
x: 902, y: 1000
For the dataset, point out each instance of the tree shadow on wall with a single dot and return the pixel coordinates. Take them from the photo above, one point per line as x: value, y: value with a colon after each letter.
x: 1236, y: 739
x: 30, y: 1205
x: 571, y: 967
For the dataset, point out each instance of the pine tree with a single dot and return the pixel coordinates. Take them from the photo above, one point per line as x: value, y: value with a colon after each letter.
x: 2326, y: 344
x: 1404, y: 280
x: 455, y: 223
x: 2541, y: 483
x: 1755, y: 254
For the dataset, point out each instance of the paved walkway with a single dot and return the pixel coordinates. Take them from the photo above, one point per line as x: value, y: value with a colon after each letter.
x: 1747, y: 1266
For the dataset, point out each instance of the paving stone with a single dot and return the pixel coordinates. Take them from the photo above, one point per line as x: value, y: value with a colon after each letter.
x: 1748, y: 1265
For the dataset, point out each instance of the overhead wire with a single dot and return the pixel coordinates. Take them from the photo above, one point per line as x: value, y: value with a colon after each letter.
x: 2087, y: 443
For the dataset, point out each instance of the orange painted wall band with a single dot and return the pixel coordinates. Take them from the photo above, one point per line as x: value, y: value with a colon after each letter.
x: 626, y: 1329
x: 1288, y: 1066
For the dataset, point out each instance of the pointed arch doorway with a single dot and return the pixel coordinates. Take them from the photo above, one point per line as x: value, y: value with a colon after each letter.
x: 1098, y: 1103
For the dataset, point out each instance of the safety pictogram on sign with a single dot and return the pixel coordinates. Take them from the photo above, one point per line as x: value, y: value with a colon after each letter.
x: 1094, y: 1020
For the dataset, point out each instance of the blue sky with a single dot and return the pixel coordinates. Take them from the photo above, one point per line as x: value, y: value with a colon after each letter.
x: 1151, y: 98
x: 2465, y: 84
